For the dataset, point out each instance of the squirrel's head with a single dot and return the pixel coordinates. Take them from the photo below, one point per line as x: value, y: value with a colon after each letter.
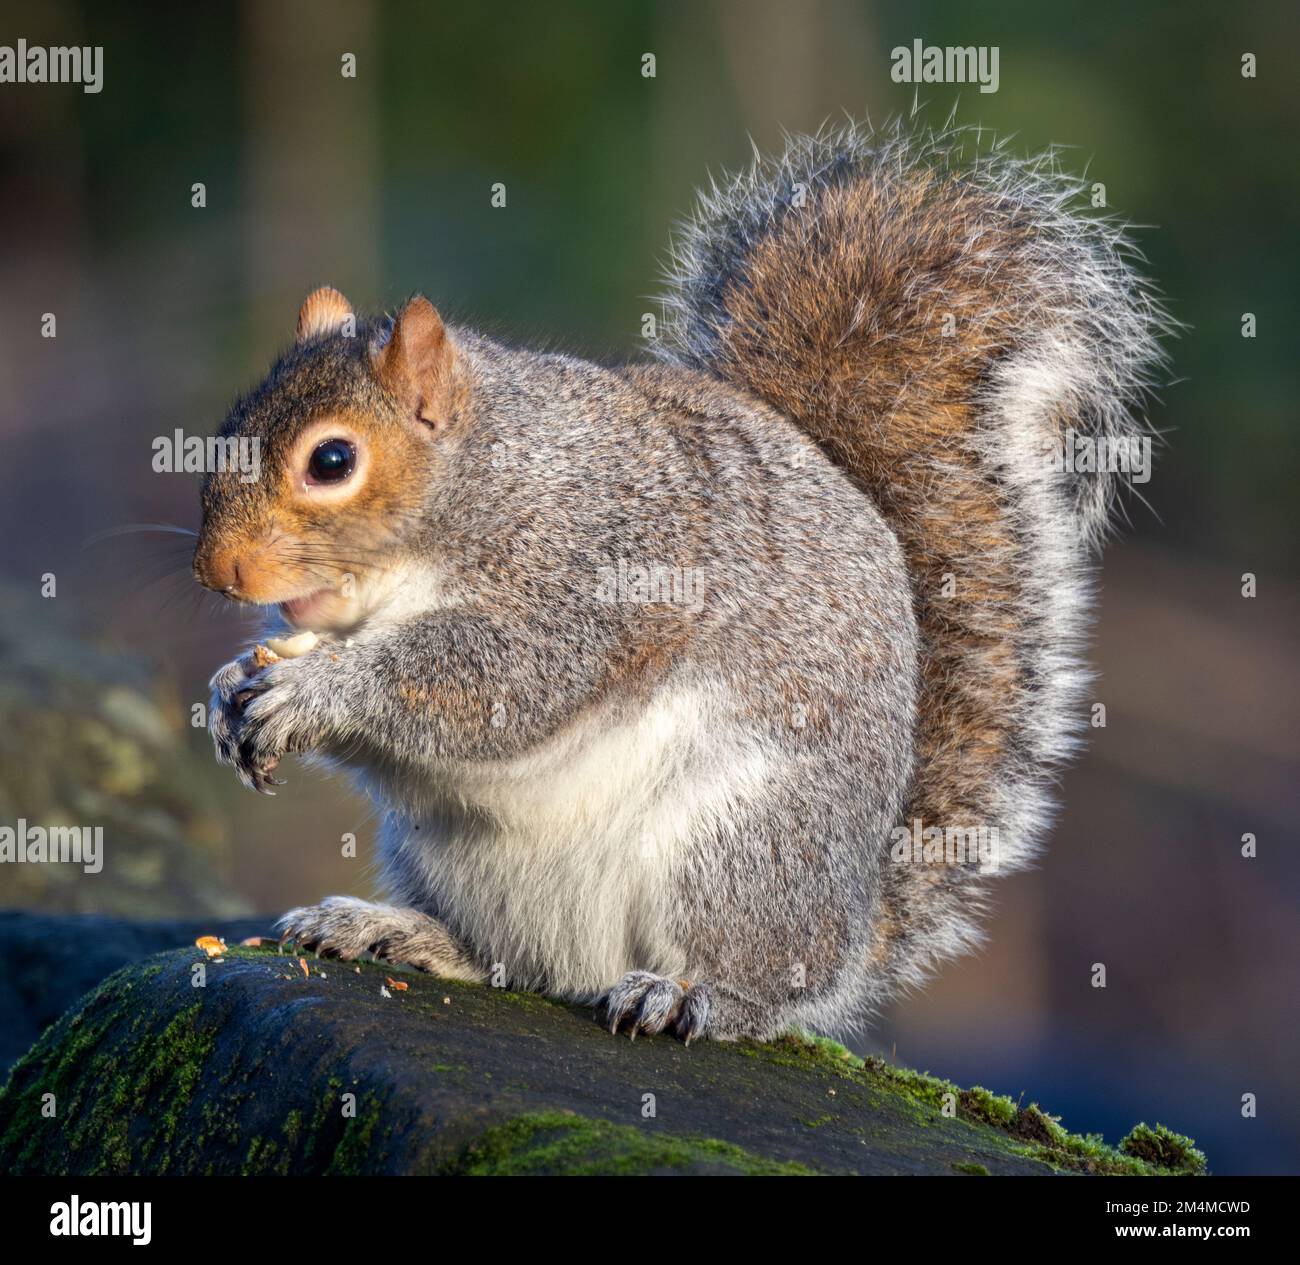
x: 346, y: 436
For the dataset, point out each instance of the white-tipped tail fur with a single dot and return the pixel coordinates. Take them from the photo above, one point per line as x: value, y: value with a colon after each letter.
x: 945, y: 319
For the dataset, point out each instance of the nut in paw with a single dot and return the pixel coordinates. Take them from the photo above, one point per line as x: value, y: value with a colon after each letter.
x: 256, y: 718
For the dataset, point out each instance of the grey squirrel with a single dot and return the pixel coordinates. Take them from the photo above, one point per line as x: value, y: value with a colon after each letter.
x: 711, y: 690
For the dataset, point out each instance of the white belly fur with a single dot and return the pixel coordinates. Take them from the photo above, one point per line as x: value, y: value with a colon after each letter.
x: 558, y: 864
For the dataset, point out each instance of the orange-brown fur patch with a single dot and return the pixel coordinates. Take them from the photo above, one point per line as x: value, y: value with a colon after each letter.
x: 866, y: 369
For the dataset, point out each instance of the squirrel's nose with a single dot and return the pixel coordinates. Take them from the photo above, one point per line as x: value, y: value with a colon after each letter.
x: 218, y: 571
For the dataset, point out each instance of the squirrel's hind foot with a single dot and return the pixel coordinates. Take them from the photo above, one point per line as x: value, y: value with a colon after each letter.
x: 644, y: 1002
x: 347, y: 928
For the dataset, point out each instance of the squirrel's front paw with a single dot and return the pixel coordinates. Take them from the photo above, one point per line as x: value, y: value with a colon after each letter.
x: 225, y: 709
x: 255, y: 720
x: 644, y: 1002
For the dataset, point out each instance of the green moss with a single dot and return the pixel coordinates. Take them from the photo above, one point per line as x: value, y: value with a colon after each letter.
x: 353, y: 1152
x: 1045, y: 1140
x: 528, y: 1001
x: 1035, y: 1125
x: 1028, y: 1131
x: 978, y: 1103
x: 150, y: 1077
x: 169, y: 1067
x: 1163, y: 1148
x: 557, y: 1143
x: 971, y: 1170
x: 803, y: 1050
x: 104, y: 1077
x: 929, y: 1091
x: 250, y: 1163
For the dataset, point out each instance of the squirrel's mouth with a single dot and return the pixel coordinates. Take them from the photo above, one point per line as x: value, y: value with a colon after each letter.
x: 300, y: 610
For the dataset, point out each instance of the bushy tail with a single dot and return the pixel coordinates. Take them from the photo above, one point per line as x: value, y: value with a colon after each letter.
x: 939, y: 317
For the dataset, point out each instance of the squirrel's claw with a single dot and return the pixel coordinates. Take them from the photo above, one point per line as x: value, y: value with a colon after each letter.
x: 644, y: 1002
x: 252, y: 722
x: 346, y: 928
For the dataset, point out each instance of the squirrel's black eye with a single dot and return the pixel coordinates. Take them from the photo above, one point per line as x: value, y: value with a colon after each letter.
x: 331, y: 461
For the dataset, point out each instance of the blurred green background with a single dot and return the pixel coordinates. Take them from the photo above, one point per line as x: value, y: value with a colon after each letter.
x: 380, y: 185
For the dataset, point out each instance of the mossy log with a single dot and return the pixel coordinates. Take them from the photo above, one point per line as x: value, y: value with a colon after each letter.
x: 52, y: 959
x: 277, y: 1064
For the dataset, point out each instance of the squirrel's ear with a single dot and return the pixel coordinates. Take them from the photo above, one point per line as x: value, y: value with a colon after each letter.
x: 323, y: 311
x: 415, y: 362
